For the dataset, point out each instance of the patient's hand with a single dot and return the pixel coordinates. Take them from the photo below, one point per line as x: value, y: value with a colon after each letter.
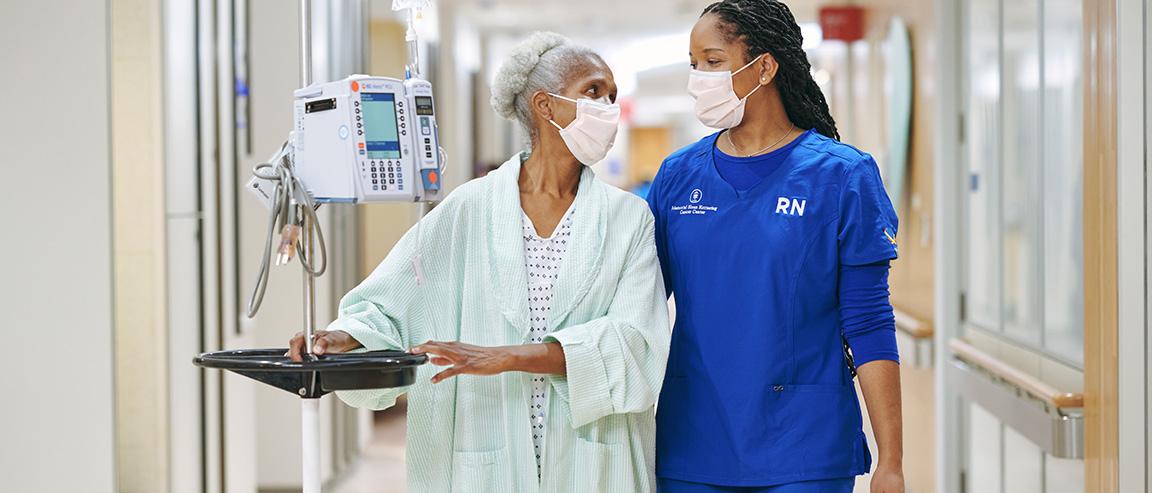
x: 323, y: 342
x: 466, y: 358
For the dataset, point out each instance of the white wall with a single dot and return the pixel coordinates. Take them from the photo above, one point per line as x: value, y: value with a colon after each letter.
x: 55, y: 290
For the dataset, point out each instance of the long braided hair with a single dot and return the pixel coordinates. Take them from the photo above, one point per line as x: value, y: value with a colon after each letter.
x: 768, y: 26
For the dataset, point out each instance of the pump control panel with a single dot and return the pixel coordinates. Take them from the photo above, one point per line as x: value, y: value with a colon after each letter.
x: 367, y: 139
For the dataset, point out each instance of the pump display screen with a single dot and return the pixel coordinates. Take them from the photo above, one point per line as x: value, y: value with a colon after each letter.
x: 423, y: 105
x: 380, y: 133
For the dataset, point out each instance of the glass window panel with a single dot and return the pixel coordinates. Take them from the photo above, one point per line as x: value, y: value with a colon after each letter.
x: 983, y: 155
x: 1020, y: 173
x: 1063, y: 164
x: 1024, y: 134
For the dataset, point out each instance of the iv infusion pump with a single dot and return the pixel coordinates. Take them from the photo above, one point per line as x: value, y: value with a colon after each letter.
x: 367, y: 139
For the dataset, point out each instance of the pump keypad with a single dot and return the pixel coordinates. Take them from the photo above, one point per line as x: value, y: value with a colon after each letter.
x: 383, y: 174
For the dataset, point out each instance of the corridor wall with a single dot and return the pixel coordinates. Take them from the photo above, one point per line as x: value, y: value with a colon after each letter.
x: 56, y: 297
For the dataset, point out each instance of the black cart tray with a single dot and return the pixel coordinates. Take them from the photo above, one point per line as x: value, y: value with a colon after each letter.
x: 321, y: 375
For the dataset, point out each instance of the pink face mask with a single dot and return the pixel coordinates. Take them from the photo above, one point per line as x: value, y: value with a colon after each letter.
x: 717, y: 104
x: 591, y: 135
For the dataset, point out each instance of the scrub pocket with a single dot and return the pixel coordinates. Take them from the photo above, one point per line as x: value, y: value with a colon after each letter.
x: 602, y: 467
x: 480, y: 471
x: 823, y: 433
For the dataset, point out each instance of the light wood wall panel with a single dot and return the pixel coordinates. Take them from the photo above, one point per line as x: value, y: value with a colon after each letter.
x: 647, y: 148
x: 1101, y: 383
x: 139, y: 247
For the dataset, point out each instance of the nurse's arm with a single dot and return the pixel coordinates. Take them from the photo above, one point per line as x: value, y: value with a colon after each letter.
x: 870, y: 331
x: 880, y: 383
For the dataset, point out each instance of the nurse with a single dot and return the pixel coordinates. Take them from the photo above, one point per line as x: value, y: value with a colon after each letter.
x: 775, y: 239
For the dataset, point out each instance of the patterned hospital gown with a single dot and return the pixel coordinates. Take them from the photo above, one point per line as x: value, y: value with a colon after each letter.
x: 542, y: 257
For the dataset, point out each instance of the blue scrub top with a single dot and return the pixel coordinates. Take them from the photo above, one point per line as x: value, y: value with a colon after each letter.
x: 757, y: 391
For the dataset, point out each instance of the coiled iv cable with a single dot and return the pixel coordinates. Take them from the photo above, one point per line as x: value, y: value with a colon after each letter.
x: 291, y: 206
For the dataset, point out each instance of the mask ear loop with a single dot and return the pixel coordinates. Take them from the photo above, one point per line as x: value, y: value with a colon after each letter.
x: 758, y: 86
x: 570, y: 100
x: 754, y: 60
x: 553, y: 122
x: 745, y: 98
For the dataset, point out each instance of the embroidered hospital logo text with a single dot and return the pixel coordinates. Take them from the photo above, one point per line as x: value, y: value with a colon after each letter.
x: 790, y: 206
x: 694, y: 207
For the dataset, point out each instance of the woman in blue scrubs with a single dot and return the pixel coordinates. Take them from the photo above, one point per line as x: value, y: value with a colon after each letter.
x: 775, y: 239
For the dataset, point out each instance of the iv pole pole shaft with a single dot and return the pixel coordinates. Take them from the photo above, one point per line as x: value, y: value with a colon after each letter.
x: 305, y: 81
x: 309, y: 408
x: 305, y: 43
x: 310, y: 444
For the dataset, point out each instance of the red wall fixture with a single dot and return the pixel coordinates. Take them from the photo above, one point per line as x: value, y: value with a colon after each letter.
x: 845, y: 23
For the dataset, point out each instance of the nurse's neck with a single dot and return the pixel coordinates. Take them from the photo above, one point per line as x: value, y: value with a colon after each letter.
x: 550, y: 169
x: 765, y: 122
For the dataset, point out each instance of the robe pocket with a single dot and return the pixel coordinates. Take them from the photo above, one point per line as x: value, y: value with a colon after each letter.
x: 603, y: 467
x: 480, y: 471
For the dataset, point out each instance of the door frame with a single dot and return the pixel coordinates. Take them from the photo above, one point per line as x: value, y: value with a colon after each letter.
x: 1132, y: 24
x: 948, y: 232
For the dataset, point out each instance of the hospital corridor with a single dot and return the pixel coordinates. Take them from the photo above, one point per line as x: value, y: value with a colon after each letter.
x: 596, y: 246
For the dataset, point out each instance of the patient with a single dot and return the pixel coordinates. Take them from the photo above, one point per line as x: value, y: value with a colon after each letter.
x: 540, y: 302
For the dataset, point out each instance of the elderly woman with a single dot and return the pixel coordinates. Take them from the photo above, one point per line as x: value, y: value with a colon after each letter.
x: 540, y: 291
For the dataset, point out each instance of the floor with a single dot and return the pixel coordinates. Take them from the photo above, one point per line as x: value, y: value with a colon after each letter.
x: 381, y: 467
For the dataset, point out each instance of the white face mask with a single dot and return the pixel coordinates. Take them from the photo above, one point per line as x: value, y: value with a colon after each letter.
x: 591, y: 135
x: 717, y: 104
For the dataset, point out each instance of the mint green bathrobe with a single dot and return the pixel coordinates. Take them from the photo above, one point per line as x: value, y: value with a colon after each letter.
x: 609, y: 312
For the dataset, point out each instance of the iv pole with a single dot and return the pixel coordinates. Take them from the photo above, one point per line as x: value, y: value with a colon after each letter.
x: 316, y: 375
x: 309, y: 405
x: 310, y: 402
x: 309, y: 408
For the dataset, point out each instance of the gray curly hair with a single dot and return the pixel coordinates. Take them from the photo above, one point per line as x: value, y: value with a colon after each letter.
x: 540, y: 62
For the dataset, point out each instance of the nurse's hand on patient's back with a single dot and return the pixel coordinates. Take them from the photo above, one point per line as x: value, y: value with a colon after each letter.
x: 323, y: 342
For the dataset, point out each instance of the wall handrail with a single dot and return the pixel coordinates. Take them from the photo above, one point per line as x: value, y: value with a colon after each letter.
x: 1026, y: 382
x: 916, y: 328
